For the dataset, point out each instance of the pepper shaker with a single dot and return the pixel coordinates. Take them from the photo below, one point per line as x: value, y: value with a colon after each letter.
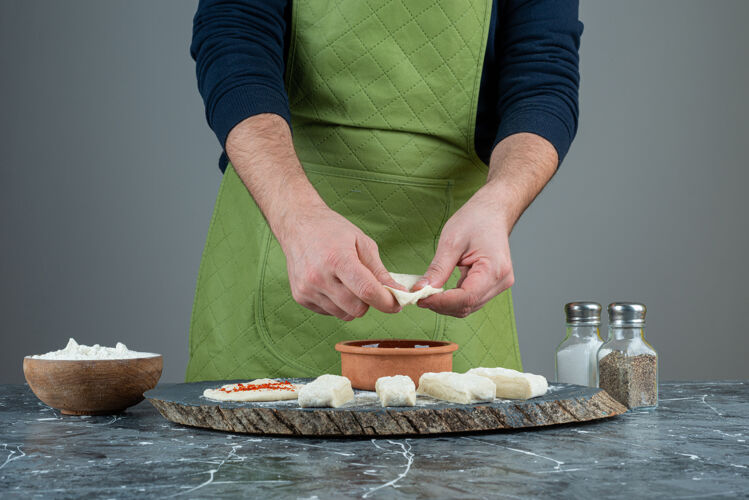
x: 576, y: 361
x: 627, y: 364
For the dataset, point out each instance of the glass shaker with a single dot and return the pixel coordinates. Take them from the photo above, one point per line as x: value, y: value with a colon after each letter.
x: 627, y: 364
x: 576, y: 356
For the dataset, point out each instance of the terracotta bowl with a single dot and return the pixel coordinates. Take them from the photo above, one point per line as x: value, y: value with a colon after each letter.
x: 96, y: 387
x: 364, y: 365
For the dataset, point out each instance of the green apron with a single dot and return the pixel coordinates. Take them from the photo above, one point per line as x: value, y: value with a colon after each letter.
x: 383, y: 101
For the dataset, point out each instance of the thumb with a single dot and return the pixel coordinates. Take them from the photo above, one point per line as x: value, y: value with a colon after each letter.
x: 438, y: 272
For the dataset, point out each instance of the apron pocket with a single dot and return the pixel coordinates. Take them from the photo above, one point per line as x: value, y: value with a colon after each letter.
x: 404, y: 215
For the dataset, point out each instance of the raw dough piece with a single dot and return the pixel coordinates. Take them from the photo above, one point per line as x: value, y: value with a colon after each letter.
x: 408, y: 281
x: 512, y: 384
x: 398, y: 390
x: 264, y: 394
x: 326, y: 391
x: 461, y: 388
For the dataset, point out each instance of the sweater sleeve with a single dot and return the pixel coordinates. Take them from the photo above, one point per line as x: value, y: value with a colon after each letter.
x: 238, y: 47
x: 537, y: 50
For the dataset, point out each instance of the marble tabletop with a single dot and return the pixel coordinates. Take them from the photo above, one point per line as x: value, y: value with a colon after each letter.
x: 693, y: 446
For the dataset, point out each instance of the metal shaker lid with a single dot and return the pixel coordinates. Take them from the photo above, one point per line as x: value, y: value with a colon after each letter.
x: 626, y: 314
x: 583, y: 313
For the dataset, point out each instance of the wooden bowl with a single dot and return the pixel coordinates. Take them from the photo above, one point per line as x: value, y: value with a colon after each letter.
x: 364, y: 365
x: 92, y: 387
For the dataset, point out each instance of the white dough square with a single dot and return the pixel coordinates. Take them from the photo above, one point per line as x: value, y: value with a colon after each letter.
x: 408, y: 281
x: 512, y: 384
x: 461, y: 388
x: 326, y: 391
x: 398, y: 390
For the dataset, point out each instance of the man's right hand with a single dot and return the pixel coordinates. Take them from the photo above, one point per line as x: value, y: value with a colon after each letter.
x: 334, y: 268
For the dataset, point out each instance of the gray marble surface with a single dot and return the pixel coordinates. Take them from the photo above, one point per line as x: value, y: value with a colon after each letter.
x: 693, y: 446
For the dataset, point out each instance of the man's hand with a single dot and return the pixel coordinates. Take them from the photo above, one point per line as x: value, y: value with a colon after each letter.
x: 477, y: 242
x: 334, y: 268
x: 476, y: 238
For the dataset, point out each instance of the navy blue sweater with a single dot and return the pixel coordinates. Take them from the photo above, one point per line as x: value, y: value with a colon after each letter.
x: 529, y: 81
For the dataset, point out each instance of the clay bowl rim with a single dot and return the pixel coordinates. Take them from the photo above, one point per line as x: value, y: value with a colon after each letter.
x: 444, y: 347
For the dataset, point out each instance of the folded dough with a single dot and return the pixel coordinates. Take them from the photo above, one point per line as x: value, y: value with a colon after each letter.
x: 408, y: 281
x: 461, y: 388
x: 326, y: 391
x: 512, y: 384
x: 398, y: 390
x: 234, y: 392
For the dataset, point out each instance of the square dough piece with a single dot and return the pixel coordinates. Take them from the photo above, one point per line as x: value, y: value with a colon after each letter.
x: 326, y: 391
x: 256, y: 395
x: 512, y: 384
x: 408, y: 281
x: 398, y: 390
x: 461, y: 388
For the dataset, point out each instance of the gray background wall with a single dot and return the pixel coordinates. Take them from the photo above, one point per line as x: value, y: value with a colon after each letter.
x: 108, y: 175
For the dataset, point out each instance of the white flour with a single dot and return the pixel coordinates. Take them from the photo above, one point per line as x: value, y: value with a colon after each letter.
x: 75, y: 351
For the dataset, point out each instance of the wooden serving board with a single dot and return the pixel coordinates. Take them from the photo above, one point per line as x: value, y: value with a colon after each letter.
x: 564, y: 403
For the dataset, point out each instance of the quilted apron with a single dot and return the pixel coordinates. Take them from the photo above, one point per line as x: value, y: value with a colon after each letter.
x: 383, y: 99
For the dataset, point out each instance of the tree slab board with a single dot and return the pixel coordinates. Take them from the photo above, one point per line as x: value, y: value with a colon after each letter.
x: 562, y: 404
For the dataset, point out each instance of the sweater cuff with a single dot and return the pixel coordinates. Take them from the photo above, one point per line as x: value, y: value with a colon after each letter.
x: 243, y: 102
x: 540, y: 122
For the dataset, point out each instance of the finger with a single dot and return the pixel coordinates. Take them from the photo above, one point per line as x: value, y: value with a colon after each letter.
x: 369, y: 255
x: 323, y: 305
x: 445, y: 259
x: 455, y: 302
x: 316, y: 309
x: 342, y: 297
x: 477, y: 288
x: 360, y: 282
x: 460, y: 303
x: 332, y: 309
x: 506, y: 283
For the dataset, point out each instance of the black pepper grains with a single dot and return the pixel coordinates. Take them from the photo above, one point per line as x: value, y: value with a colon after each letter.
x: 631, y: 380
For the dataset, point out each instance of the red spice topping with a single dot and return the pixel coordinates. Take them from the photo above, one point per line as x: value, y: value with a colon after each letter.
x: 273, y: 386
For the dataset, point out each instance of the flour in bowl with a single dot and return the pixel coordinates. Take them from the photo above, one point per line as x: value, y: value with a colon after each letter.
x: 76, y: 351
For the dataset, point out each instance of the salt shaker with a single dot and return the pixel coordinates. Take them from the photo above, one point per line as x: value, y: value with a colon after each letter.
x: 627, y: 364
x: 576, y: 355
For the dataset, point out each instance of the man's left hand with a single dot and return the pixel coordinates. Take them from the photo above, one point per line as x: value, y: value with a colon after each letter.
x: 476, y: 240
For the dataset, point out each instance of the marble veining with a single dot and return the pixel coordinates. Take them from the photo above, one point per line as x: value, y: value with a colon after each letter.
x: 692, y: 446
x: 405, y: 447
